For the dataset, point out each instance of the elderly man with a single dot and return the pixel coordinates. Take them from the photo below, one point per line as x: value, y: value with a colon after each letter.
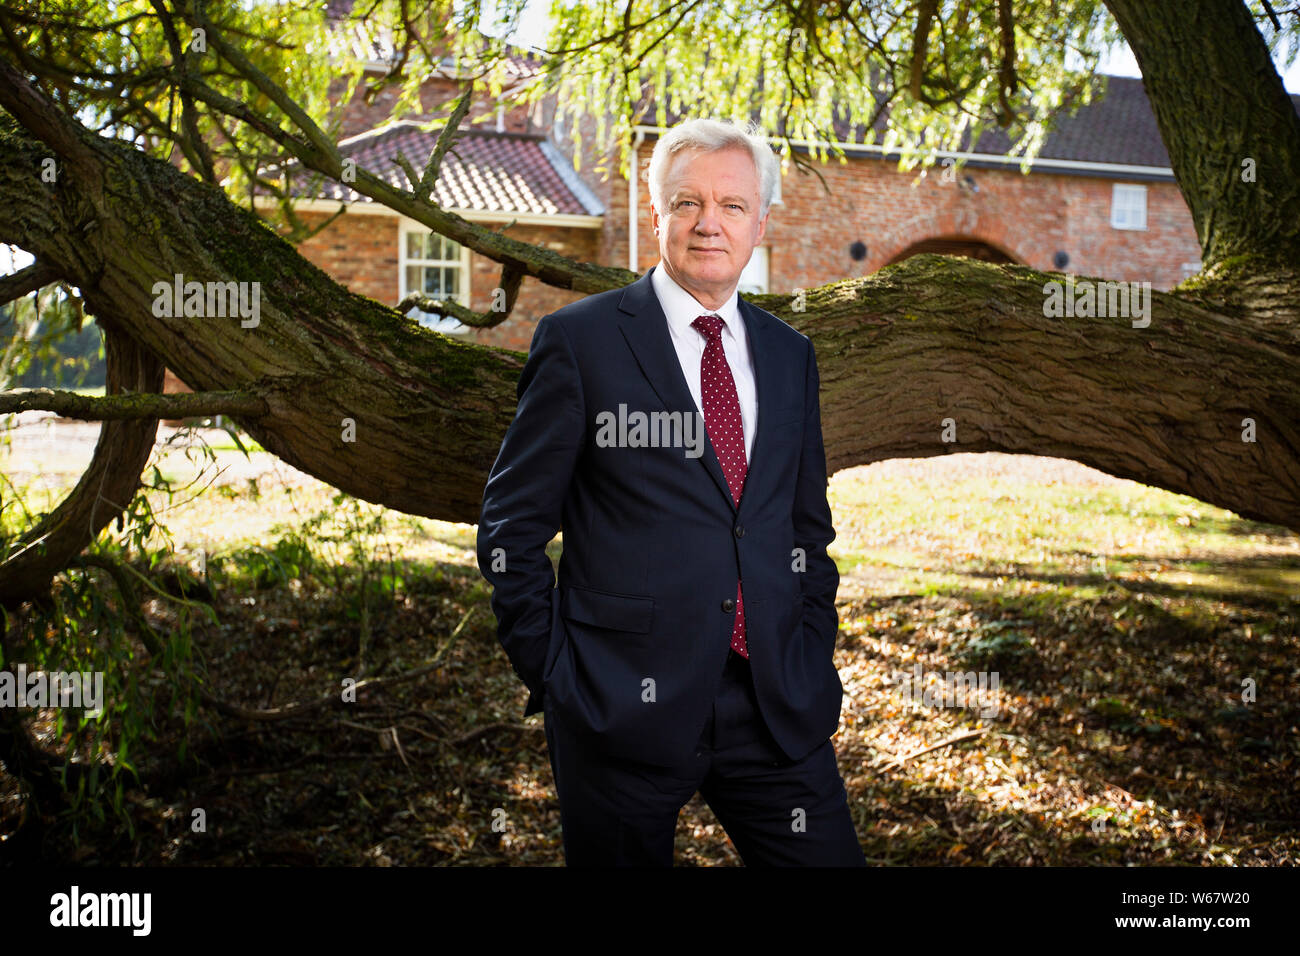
x: 673, y: 431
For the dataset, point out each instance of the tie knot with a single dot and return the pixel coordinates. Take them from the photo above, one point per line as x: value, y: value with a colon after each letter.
x: 710, y: 325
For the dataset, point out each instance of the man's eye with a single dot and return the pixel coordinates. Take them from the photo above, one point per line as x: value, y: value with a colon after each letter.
x: 686, y: 202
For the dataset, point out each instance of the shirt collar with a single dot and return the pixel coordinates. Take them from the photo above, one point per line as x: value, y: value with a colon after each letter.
x: 681, y: 308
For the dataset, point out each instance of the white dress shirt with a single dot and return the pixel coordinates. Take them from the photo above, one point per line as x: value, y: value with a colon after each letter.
x: 681, y: 309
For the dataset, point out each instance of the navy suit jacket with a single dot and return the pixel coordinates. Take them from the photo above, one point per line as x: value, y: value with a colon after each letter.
x: 629, y: 647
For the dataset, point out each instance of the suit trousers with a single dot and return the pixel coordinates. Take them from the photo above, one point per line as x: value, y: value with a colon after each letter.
x: 777, y: 811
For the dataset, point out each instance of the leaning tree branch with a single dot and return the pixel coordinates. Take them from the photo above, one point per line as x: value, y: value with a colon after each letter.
x: 509, y: 287
x: 1008, y: 81
x: 424, y: 189
x: 1170, y: 406
x: 925, y: 11
x: 190, y: 137
x: 123, y: 407
x: 26, y: 281
x: 450, y: 307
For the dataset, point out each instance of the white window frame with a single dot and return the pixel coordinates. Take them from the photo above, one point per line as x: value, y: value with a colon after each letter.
x: 1128, y: 206
x: 445, y: 324
x: 757, y: 275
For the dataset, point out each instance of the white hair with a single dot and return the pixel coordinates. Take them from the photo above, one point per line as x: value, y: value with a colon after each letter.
x: 709, y: 135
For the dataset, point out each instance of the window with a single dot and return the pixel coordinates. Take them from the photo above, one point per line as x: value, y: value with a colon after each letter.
x: 753, y: 279
x: 1128, y: 207
x: 439, y: 268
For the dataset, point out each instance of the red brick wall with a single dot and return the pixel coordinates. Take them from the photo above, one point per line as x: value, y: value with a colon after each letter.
x: 358, y: 250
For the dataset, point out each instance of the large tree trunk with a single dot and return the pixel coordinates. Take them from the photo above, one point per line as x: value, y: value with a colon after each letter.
x: 1220, y: 104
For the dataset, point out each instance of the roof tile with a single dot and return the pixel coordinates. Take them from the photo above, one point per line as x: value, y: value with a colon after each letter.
x: 485, y: 171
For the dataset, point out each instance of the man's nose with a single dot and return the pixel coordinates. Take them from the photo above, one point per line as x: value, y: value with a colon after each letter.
x: 709, y: 222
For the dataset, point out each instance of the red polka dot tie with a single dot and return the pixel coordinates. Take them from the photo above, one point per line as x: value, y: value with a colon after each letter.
x: 726, y: 434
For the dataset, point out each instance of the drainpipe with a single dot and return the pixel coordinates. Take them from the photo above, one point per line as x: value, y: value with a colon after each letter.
x: 633, y: 217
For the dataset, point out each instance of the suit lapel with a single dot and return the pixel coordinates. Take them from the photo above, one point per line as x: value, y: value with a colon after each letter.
x: 645, y: 327
x: 758, y: 324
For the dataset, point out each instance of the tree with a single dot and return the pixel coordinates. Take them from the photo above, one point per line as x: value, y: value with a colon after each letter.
x: 97, y: 97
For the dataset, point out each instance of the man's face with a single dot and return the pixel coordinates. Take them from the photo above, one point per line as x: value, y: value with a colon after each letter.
x: 710, y: 226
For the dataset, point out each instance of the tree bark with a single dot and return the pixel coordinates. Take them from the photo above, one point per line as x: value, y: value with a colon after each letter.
x: 936, y: 338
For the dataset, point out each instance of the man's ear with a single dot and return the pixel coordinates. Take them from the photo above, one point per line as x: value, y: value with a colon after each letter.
x: 654, y: 219
x: 762, y: 227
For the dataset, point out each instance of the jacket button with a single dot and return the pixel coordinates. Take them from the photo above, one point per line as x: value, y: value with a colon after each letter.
x: 729, y: 605
x: 740, y: 531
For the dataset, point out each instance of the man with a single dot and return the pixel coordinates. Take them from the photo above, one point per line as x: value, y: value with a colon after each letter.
x: 688, y: 644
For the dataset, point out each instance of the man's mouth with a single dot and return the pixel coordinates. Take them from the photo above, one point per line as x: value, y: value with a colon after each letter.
x: 698, y: 249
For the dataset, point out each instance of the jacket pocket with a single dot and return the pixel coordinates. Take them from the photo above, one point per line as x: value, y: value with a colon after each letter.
x: 618, y: 612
